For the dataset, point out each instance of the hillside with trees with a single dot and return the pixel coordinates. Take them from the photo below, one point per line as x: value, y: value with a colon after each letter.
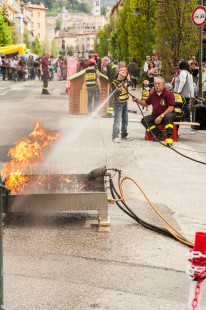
x: 72, y: 5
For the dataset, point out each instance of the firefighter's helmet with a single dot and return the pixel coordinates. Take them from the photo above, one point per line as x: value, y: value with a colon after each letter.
x: 92, y: 62
x: 123, y: 72
x: 146, y: 82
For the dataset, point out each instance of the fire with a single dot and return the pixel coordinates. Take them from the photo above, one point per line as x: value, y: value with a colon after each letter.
x: 27, y: 153
x: 66, y: 180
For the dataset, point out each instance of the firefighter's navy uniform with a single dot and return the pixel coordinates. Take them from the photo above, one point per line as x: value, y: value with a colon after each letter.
x: 44, y: 67
x: 91, y: 76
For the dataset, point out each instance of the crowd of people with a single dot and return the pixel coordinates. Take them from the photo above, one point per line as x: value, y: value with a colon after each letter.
x: 183, y: 87
x: 27, y: 67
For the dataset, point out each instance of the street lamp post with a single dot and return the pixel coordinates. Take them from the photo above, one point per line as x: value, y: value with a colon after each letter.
x: 200, y: 59
x: 137, y: 13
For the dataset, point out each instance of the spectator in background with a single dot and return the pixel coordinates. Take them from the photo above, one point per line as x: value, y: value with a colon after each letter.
x: 13, y: 63
x: 3, y: 67
x: 64, y: 69
x: 134, y: 72
x: 9, y: 69
x: 152, y: 73
x: 84, y: 63
x: 146, y: 65
x: 203, y: 81
x: 175, y: 75
x: 59, y: 71
x: 122, y: 64
x: 195, y: 70
x: 184, y: 86
x: 158, y: 64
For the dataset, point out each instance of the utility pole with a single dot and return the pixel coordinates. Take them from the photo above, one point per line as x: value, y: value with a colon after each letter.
x: 200, y: 59
x: 148, y: 26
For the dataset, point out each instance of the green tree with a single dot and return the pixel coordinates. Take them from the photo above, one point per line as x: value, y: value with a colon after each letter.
x: 176, y: 36
x: 84, y: 7
x: 37, y: 47
x: 5, y: 33
x: 58, y: 25
x: 26, y: 36
x: 46, y: 46
x: 54, y: 51
x: 103, y: 8
x: 70, y: 50
x: 16, y: 38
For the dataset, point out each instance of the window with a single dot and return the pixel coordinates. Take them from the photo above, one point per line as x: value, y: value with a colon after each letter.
x: 38, y: 35
x: 38, y: 25
x: 31, y: 13
x: 38, y: 14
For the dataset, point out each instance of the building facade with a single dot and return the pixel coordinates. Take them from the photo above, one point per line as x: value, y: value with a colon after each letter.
x: 11, y: 8
x: 38, y: 20
x: 66, y: 39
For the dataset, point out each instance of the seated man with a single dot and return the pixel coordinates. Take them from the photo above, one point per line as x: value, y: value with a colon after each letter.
x: 162, y: 101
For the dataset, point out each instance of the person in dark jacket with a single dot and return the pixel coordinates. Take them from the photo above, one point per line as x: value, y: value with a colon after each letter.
x: 3, y: 67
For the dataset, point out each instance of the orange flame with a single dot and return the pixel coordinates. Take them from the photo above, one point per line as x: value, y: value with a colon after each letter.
x: 26, y: 154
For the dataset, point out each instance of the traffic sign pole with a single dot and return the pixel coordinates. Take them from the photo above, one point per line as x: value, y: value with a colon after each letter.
x: 199, y: 19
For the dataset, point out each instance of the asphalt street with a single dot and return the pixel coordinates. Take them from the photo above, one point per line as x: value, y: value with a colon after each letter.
x: 60, y: 260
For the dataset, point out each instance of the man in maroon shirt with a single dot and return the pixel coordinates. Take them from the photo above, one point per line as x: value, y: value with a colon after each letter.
x: 162, y: 101
x: 45, y: 73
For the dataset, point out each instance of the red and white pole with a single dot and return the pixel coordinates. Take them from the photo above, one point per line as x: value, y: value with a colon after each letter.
x: 196, y: 270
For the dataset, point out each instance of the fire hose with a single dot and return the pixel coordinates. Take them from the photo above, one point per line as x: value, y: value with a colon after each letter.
x: 119, y: 199
x: 170, y: 147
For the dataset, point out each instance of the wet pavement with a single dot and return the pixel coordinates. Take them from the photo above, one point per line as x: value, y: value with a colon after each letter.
x: 59, y: 260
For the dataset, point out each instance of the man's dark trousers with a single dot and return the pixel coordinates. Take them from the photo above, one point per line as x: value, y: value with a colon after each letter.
x: 168, y: 120
x: 45, y: 81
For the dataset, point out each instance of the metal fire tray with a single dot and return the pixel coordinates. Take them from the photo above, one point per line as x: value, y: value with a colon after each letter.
x: 49, y: 193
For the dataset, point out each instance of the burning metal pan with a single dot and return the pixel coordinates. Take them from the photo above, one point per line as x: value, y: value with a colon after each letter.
x: 49, y: 193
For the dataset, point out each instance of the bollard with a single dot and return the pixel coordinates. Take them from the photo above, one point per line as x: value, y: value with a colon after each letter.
x: 196, y: 270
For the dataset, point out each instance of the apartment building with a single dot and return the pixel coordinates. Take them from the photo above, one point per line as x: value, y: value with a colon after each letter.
x: 85, y: 42
x: 11, y: 7
x: 38, y: 20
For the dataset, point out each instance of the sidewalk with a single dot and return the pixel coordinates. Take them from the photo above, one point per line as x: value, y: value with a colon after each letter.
x: 62, y: 262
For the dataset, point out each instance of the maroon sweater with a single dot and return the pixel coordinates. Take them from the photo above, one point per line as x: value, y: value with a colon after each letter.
x: 160, y: 103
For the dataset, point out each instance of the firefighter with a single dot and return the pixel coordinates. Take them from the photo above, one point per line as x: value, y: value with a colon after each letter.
x: 179, y: 102
x: 162, y: 101
x: 145, y: 91
x: 92, y: 84
x: 110, y: 69
x: 120, y: 97
x: 45, y: 73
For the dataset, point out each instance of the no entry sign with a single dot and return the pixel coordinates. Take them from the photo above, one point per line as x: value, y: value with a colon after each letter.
x: 199, y: 16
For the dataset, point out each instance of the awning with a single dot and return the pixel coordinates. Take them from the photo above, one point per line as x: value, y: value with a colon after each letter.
x: 19, y: 49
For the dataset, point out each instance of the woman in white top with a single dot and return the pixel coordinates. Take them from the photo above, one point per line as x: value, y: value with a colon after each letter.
x: 185, y: 87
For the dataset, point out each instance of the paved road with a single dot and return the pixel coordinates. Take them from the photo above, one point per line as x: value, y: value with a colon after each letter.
x: 61, y: 261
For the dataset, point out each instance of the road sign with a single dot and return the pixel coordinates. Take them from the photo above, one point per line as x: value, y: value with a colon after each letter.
x: 199, y: 16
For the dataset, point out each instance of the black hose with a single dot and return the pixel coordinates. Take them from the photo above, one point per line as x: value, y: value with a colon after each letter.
x: 138, y: 219
x: 173, y: 149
